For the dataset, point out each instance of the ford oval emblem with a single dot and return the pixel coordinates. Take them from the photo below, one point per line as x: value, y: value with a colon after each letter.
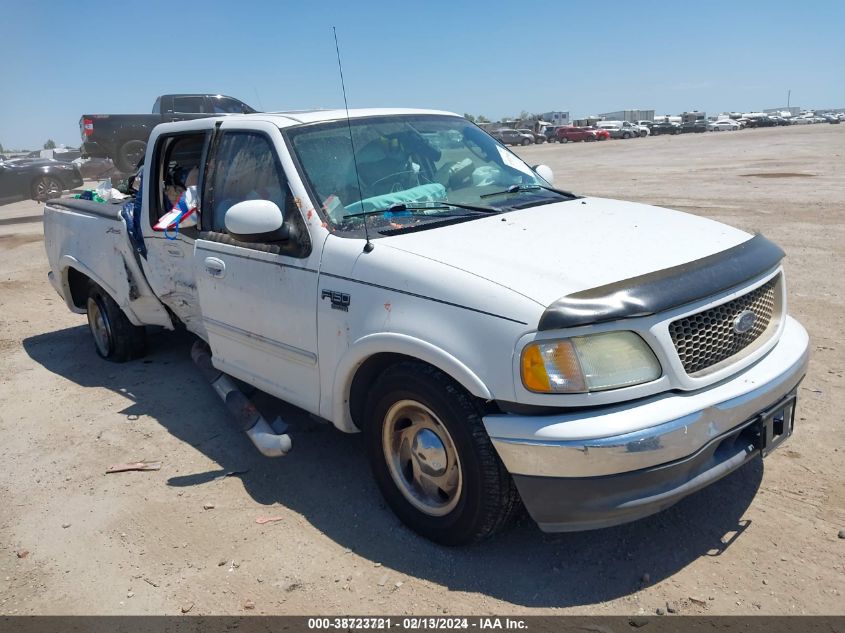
x: 744, y: 322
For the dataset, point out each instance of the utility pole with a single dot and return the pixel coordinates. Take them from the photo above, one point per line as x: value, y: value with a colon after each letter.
x: 788, y: 95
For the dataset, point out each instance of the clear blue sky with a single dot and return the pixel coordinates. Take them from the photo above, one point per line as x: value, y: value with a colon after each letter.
x: 65, y: 58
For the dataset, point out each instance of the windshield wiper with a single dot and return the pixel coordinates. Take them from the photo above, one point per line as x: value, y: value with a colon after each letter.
x: 521, y: 188
x: 399, y: 207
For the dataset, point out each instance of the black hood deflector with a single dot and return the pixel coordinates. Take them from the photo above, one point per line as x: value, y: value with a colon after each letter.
x: 664, y: 289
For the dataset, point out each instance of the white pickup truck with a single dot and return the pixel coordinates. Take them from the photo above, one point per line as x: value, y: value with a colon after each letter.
x: 499, y: 341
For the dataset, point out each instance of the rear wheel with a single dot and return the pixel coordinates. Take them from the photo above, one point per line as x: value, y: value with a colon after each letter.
x: 525, y: 141
x: 432, y: 458
x: 129, y: 154
x: 115, y: 337
x: 46, y: 188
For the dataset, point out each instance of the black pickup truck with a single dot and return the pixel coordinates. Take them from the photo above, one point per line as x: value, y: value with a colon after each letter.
x: 123, y: 137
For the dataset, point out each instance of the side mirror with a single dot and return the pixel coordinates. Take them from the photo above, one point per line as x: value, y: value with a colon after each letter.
x: 256, y: 221
x: 545, y: 172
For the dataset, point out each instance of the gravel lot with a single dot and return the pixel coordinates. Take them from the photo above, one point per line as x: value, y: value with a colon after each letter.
x: 763, y: 540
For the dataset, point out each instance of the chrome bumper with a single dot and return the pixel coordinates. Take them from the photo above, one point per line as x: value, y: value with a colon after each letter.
x: 637, y: 435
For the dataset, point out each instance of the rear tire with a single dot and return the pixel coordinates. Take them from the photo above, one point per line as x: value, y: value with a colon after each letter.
x: 432, y: 458
x: 115, y: 337
x: 129, y: 154
x: 525, y: 141
x: 46, y: 188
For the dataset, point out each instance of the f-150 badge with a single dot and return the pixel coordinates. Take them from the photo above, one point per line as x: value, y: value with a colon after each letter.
x: 340, y: 300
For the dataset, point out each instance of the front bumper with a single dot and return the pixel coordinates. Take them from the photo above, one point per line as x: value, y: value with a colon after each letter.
x: 608, y: 465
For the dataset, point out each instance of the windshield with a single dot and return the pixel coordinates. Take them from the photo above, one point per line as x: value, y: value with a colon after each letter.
x: 408, y: 162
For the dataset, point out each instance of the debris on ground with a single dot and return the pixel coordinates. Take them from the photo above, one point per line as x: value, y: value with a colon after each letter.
x: 123, y: 468
x: 187, y: 607
x: 249, y: 604
x: 293, y: 586
x: 208, y: 506
x: 23, y: 553
x: 263, y: 520
x: 222, y: 562
x: 672, y: 607
x: 699, y: 601
x: 841, y: 533
x: 65, y: 525
x: 660, y: 611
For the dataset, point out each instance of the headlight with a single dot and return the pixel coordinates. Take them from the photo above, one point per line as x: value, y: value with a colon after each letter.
x: 588, y: 363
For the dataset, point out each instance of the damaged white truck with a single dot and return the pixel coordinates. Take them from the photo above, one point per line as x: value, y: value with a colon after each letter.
x: 499, y: 341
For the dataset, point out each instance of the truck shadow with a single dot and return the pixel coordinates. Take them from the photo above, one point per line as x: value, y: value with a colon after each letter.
x: 327, y: 480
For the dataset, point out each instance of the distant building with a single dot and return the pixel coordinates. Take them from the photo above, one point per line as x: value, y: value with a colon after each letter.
x: 793, y: 111
x: 628, y: 115
x: 556, y: 118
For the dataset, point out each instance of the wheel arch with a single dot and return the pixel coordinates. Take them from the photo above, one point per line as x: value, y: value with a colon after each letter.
x: 371, y: 355
x: 76, y: 277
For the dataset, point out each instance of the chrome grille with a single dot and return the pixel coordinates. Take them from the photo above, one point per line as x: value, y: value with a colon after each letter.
x: 707, y: 338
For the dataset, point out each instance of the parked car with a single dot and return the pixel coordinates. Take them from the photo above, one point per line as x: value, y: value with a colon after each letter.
x: 601, y: 133
x: 123, y: 137
x: 694, y: 126
x: 723, y: 125
x: 95, y: 168
x: 599, y: 383
x: 509, y: 136
x: 834, y: 119
x: 801, y: 120
x: 763, y: 121
x: 665, y: 127
x: 538, y: 138
x: 549, y: 132
x: 619, y: 129
x: 567, y: 133
x: 644, y: 130
x: 36, y: 178
x: 647, y: 124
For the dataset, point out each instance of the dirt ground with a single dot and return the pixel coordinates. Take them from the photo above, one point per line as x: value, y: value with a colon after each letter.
x: 763, y: 540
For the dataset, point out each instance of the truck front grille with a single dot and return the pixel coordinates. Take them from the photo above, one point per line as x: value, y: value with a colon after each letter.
x: 708, y: 338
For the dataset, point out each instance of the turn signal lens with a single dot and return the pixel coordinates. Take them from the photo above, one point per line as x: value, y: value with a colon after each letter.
x: 552, y: 366
x: 609, y: 360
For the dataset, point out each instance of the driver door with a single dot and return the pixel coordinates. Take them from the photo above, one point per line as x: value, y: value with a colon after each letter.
x: 258, y: 300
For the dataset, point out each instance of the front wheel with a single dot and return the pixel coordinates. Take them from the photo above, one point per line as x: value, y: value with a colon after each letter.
x: 525, y: 141
x: 115, y: 337
x: 432, y: 458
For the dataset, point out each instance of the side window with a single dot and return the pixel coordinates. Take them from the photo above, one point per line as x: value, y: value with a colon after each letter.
x: 226, y: 106
x: 178, y: 162
x: 187, y: 105
x: 245, y: 167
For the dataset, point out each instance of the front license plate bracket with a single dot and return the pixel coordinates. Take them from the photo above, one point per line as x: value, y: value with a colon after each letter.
x: 776, y: 424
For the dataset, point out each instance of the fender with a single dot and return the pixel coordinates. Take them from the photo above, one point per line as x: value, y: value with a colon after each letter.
x: 67, y: 262
x: 392, y: 342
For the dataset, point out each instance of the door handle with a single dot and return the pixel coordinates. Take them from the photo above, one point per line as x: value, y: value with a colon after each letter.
x: 215, y: 267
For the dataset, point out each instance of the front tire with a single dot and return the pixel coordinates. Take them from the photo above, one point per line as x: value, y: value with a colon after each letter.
x: 115, y: 337
x: 525, y: 141
x: 432, y: 458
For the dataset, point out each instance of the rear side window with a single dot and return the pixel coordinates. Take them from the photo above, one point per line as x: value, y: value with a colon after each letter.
x: 188, y: 105
x: 245, y: 167
x: 178, y: 164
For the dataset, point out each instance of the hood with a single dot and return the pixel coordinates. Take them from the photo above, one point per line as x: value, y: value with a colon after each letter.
x: 554, y: 250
